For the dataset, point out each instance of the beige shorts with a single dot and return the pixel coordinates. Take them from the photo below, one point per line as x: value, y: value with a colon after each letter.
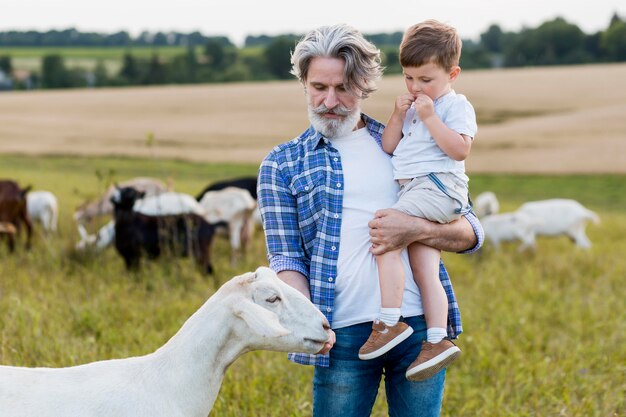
x: 421, y: 197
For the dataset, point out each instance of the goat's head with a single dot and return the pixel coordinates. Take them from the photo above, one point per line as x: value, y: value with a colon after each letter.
x: 279, y: 317
x: 124, y: 198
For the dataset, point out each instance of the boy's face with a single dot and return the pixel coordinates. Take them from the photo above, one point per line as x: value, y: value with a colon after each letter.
x: 430, y: 79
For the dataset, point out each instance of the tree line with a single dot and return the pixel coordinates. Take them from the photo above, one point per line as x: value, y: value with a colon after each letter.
x: 216, y: 59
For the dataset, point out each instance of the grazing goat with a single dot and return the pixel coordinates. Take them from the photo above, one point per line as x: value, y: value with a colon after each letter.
x: 102, y: 206
x: 136, y: 233
x: 247, y: 183
x: 182, y: 378
x: 507, y: 227
x: 157, y: 205
x: 485, y: 204
x: 234, y: 206
x: 43, y: 207
x: 13, y: 210
x: 561, y: 217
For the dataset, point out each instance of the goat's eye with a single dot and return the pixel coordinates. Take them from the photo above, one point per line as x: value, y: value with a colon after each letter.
x: 273, y: 299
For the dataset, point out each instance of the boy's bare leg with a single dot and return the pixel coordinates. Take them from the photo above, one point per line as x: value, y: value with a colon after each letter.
x: 388, y: 331
x: 437, y: 351
x: 425, y: 266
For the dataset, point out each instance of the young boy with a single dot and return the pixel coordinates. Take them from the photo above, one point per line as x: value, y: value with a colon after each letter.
x: 429, y: 133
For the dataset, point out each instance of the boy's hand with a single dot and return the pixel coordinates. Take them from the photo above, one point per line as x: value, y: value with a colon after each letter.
x: 424, y: 106
x: 403, y: 103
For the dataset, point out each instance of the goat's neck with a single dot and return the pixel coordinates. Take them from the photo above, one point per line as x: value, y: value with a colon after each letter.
x: 196, y: 358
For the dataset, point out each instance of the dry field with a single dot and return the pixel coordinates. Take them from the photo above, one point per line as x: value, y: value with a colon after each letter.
x: 548, y: 120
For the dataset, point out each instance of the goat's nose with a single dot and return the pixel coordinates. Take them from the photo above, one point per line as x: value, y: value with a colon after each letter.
x: 325, y: 324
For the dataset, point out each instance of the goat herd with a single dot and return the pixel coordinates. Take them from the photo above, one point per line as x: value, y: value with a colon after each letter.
x: 554, y: 217
x: 147, y: 218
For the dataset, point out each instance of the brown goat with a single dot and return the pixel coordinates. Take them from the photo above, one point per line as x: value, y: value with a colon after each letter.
x: 13, y: 211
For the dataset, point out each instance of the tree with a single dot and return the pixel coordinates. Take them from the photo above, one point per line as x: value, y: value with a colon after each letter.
x: 493, y: 39
x: 129, y: 70
x: 53, y: 72
x: 100, y: 74
x: 156, y: 71
x: 6, y: 65
x: 613, y: 41
x: 278, y: 56
x: 215, y: 54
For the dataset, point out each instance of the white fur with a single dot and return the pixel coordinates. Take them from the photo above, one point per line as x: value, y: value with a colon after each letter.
x: 169, y: 203
x: 154, y: 205
x: 103, y: 205
x: 507, y: 227
x: 234, y: 206
x: 42, y: 206
x: 183, y: 377
x: 485, y: 204
x: 561, y: 217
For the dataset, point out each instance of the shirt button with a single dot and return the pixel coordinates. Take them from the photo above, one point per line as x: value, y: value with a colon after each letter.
x: 333, y: 248
x: 338, y: 185
x: 330, y: 279
x: 336, y: 216
x: 335, y: 159
x: 414, y: 121
x: 328, y: 309
x: 306, y: 187
x: 295, y: 141
x: 409, y: 133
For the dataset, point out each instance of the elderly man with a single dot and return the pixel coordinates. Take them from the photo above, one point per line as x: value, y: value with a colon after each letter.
x: 321, y: 196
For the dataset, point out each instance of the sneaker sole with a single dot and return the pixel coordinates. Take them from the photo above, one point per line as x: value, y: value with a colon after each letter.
x: 434, y: 365
x: 393, y: 343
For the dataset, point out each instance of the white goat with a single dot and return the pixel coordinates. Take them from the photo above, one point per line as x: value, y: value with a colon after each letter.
x: 99, y: 241
x: 183, y: 377
x: 155, y: 205
x: 235, y: 206
x: 103, y: 205
x: 43, y: 207
x: 561, y: 217
x: 485, y: 204
x: 507, y: 227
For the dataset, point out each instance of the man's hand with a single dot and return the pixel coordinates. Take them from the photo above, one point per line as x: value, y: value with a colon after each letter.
x: 391, y: 229
x: 329, y: 344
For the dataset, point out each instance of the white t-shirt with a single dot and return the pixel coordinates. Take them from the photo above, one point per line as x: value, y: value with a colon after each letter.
x: 418, y: 154
x: 369, y: 186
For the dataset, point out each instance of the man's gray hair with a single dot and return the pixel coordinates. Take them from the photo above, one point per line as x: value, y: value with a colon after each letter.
x: 362, y: 58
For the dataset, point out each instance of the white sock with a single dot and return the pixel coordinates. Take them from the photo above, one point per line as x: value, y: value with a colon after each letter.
x: 390, y: 316
x: 436, y: 334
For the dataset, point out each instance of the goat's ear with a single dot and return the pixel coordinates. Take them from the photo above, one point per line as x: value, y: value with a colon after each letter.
x: 261, y: 321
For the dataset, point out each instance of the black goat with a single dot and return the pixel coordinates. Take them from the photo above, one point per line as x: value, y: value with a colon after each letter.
x: 137, y: 233
x: 247, y: 183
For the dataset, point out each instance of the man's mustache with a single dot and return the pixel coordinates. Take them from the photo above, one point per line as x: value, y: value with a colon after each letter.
x: 339, y: 110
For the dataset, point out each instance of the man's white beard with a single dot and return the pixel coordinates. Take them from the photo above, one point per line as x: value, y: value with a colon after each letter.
x: 334, y: 128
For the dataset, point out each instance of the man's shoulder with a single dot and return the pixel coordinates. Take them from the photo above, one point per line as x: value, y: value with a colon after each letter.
x: 292, y: 149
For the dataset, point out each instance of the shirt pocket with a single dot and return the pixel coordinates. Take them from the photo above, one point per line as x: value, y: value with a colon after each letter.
x: 309, y: 191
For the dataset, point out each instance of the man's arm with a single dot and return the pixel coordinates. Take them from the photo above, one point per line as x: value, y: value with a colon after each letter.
x: 297, y: 281
x: 391, y: 229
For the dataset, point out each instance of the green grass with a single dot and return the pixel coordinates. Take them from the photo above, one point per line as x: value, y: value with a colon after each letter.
x: 544, y: 331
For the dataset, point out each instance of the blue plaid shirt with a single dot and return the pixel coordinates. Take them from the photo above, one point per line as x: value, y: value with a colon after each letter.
x: 300, y: 195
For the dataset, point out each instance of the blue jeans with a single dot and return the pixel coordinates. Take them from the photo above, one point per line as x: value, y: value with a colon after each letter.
x: 349, y: 386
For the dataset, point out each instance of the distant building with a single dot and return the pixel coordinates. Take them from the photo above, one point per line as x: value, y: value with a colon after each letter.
x: 6, y: 83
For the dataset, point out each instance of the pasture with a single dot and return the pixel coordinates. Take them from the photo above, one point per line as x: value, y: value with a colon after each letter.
x: 544, y: 331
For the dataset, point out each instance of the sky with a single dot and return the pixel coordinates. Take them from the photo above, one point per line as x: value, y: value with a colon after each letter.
x: 237, y: 19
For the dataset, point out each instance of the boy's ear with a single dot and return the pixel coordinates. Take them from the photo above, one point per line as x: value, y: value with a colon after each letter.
x: 454, y: 73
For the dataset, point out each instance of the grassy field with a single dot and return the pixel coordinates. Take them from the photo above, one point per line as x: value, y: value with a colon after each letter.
x: 544, y: 331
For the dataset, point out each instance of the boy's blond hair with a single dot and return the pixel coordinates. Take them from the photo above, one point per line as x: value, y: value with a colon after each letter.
x: 430, y: 41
